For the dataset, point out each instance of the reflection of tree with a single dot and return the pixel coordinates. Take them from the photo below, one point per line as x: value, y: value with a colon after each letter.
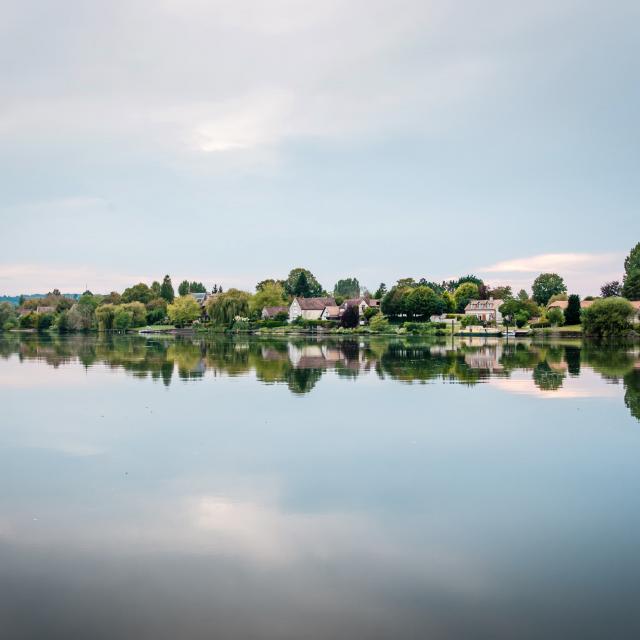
x: 546, y: 378
x: 303, y: 380
x: 300, y: 362
x: 632, y: 392
x: 572, y: 357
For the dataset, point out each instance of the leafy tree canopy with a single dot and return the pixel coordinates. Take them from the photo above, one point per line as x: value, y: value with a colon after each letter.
x: 139, y: 292
x: 611, y: 289
x: 224, y: 308
x: 632, y: 261
x: 271, y: 294
x: 547, y: 285
x: 347, y: 288
x: 183, y: 310
x: 166, y: 290
x: 302, y: 283
x: 631, y: 286
x: 607, y: 317
x: 572, y: 312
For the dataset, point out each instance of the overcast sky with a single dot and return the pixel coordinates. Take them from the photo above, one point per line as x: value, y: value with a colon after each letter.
x: 231, y: 141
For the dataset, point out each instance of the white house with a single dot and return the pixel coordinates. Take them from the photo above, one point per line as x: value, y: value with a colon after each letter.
x: 309, y: 308
x: 485, y: 310
x: 330, y: 313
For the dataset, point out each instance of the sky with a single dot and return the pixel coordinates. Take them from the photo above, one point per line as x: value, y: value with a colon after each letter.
x: 230, y: 141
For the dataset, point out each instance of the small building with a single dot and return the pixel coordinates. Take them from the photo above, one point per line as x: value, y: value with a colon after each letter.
x: 309, y: 308
x: 269, y: 313
x: 363, y: 303
x: 45, y: 309
x: 485, y: 310
x: 330, y: 313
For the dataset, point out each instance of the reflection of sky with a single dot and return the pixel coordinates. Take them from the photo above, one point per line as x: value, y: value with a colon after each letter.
x: 369, y: 508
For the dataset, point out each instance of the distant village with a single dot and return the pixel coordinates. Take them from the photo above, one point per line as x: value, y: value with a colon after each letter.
x: 466, y: 306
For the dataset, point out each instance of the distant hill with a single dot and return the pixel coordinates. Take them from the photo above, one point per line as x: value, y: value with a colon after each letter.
x: 31, y: 296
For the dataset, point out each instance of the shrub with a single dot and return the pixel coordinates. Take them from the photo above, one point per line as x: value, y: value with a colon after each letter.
x: 350, y: 318
x: 379, y: 324
x: 44, y: 321
x: 555, y: 316
x: 607, y: 317
x: 521, y: 318
x: 468, y: 321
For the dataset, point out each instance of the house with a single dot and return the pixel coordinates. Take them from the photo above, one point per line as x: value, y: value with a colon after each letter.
x: 485, y: 310
x: 330, y: 313
x: 636, y: 306
x: 269, y: 313
x: 309, y: 308
x: 45, y: 309
x: 363, y: 303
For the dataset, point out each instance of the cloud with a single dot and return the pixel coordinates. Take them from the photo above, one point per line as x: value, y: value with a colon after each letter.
x: 554, y: 262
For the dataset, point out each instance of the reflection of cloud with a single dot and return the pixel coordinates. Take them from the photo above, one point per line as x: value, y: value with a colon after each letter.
x: 588, y: 385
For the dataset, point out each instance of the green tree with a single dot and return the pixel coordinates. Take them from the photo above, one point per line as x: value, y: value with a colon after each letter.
x: 547, y: 285
x: 464, y: 293
x: 523, y: 295
x: 183, y: 288
x: 7, y: 315
x: 183, y: 310
x: 156, y: 310
x: 611, y: 289
x: 379, y: 324
x: 123, y: 319
x: 631, y: 286
x: 269, y: 281
x: 347, y: 288
x: 632, y: 261
x: 166, y: 290
x: 424, y: 302
x: 227, y: 306
x: 555, y: 316
x: 302, y: 283
x: 197, y: 287
x: 138, y: 313
x: 513, y: 308
x: 572, y: 312
x: 270, y: 295
x: 105, y: 315
x: 155, y: 289
x: 607, y: 317
x: 500, y: 293
x: 139, y: 292
x: 380, y: 291
x: 350, y: 318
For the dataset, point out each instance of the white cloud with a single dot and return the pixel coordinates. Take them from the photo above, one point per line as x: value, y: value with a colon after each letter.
x: 554, y: 262
x: 583, y: 273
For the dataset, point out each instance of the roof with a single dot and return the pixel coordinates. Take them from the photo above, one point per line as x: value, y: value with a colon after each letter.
x: 563, y: 304
x: 200, y: 297
x: 332, y: 312
x: 315, y: 304
x: 274, y: 311
x: 356, y: 302
x: 484, y: 305
x: 45, y: 309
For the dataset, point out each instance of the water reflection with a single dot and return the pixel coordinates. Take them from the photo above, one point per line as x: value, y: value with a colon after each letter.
x: 300, y: 363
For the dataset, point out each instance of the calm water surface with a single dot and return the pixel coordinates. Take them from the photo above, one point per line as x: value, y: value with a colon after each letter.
x: 188, y: 489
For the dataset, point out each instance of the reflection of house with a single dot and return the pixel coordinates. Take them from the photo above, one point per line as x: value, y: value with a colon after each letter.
x: 268, y: 313
x: 309, y: 308
x: 487, y: 357
x: 485, y: 310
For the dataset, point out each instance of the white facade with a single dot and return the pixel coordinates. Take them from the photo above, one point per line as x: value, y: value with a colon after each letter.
x: 485, y: 310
